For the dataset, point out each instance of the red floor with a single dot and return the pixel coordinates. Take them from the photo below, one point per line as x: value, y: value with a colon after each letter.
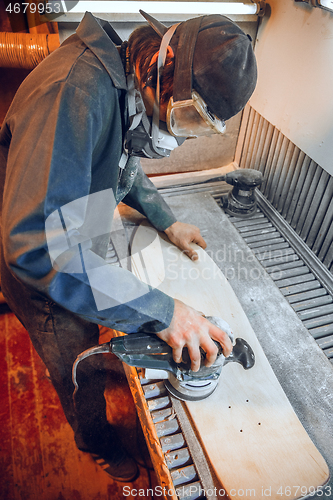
x: 38, y: 457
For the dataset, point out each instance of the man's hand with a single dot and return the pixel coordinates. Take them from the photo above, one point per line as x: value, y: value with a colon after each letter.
x: 181, y: 235
x: 188, y: 328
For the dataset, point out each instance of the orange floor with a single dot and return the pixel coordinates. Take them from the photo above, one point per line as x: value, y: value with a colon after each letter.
x: 38, y: 457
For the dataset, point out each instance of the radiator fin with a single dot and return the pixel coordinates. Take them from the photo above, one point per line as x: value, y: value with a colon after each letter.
x: 297, y: 187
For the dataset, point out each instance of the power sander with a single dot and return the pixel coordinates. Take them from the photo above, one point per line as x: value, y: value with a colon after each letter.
x: 146, y: 350
x: 241, y: 200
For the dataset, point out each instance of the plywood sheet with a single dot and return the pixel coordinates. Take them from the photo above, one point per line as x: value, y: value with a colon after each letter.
x: 252, y: 437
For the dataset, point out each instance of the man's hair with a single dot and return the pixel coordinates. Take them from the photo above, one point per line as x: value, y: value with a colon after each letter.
x: 143, y: 44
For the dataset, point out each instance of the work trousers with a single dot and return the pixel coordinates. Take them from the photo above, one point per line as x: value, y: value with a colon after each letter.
x: 59, y: 337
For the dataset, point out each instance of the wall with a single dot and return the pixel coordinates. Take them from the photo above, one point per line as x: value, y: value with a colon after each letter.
x: 294, y: 92
x: 202, y: 153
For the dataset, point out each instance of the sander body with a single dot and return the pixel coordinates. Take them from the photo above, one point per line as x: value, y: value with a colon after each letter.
x: 146, y: 350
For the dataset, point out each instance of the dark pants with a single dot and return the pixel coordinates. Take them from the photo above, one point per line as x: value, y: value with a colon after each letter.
x: 59, y: 337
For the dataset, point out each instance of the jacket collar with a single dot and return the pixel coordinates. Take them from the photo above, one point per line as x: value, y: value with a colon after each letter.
x: 101, y: 38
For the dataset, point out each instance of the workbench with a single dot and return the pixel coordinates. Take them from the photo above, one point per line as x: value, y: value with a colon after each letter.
x: 306, y: 380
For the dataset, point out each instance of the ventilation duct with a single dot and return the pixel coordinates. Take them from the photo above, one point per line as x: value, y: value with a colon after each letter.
x: 25, y: 50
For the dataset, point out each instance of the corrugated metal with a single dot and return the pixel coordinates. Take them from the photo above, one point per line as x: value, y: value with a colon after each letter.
x: 293, y: 235
x: 297, y: 187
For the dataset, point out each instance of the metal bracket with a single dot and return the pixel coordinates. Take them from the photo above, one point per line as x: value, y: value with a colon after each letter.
x: 261, y: 7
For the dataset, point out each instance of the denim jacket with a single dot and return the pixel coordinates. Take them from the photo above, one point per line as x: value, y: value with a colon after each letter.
x: 61, y: 141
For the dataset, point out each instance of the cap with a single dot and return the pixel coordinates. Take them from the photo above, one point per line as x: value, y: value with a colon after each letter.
x: 224, y: 70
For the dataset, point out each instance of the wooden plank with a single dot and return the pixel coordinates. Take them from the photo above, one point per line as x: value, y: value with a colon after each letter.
x: 26, y: 445
x: 251, y: 434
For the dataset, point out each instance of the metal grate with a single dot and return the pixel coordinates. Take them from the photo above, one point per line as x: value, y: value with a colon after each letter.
x: 216, y: 189
x: 297, y: 187
x: 296, y: 281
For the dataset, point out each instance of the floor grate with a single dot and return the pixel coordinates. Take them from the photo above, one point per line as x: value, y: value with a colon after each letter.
x: 296, y: 281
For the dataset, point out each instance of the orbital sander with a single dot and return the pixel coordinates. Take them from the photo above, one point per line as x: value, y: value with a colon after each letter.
x: 241, y: 200
x: 146, y: 350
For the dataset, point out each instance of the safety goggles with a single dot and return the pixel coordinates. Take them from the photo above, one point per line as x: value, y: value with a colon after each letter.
x: 192, y: 118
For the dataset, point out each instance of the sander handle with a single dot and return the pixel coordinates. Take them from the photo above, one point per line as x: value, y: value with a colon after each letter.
x: 241, y: 353
x: 146, y: 350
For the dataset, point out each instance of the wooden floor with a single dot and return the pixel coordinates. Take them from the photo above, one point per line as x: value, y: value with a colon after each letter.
x: 38, y: 457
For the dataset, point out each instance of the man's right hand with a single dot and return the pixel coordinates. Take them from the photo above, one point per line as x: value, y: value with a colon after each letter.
x: 188, y: 328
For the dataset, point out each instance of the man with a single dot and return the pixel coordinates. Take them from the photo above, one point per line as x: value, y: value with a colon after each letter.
x: 65, y: 169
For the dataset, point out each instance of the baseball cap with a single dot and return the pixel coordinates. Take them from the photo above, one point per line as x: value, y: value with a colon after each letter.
x: 224, y: 70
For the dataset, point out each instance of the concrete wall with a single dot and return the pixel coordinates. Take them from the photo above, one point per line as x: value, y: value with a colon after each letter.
x: 202, y: 153
x: 294, y: 92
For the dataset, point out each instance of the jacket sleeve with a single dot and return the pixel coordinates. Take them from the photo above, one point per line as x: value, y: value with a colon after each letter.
x: 54, y: 138
x: 145, y: 198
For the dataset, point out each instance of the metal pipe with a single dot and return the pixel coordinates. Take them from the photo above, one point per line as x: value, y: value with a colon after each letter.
x: 26, y: 50
x: 97, y: 349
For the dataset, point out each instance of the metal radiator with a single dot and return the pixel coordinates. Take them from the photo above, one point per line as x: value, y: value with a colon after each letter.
x: 296, y: 199
x: 297, y: 187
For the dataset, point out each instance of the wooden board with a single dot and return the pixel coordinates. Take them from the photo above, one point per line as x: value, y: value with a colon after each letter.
x: 252, y: 437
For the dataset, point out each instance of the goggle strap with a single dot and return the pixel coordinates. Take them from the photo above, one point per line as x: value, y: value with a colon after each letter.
x: 136, y: 105
x: 182, y: 82
x: 160, y: 63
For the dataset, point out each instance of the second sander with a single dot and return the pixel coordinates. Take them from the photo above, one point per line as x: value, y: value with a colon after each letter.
x: 146, y: 350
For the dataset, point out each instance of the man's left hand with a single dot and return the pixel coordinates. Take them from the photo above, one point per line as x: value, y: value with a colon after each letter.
x: 181, y: 235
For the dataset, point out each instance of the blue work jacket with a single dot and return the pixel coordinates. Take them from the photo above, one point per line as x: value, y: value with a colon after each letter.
x: 61, y: 141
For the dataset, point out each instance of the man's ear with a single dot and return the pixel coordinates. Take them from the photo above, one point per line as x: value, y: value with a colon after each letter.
x: 170, y: 55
